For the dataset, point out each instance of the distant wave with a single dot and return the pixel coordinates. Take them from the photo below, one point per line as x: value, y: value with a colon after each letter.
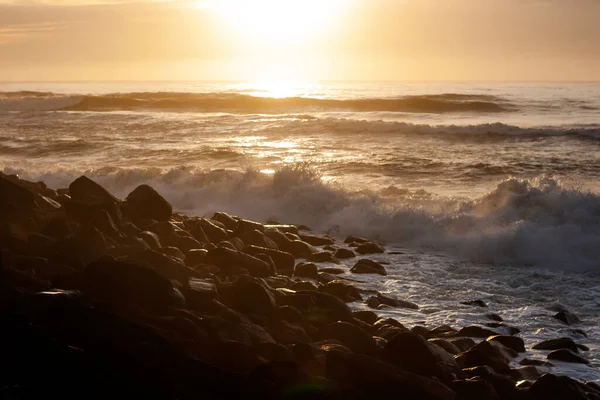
x: 236, y: 102
x: 527, y: 222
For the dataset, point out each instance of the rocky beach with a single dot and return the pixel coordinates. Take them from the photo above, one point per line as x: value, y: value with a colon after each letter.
x: 107, y: 297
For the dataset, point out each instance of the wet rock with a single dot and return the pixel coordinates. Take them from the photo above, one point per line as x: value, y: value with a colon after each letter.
x: 342, y: 291
x: 478, y: 303
x: 164, y: 265
x: 198, y: 293
x: 126, y: 284
x: 344, y: 253
x: 249, y: 295
x: 463, y: 343
x: 476, y: 332
x: 503, y: 329
x: 370, y: 248
x: 257, y: 238
x: 300, y: 249
x: 475, y: 389
x: 304, y: 285
x: 555, y: 344
x: 567, y: 355
x: 411, y: 352
x: 282, y: 228
x: 317, y: 240
x: 226, y: 219
x: 396, y: 303
x: 306, y: 270
x: 322, y: 257
x: 552, y: 387
x: 207, y: 230
x: 494, y: 317
x: 282, y: 259
x: 85, y: 190
x: 145, y: 203
x: 528, y: 372
x: 485, y: 353
x: 172, y: 252
x: 567, y: 317
x: 325, y: 278
x: 512, y: 342
x: 353, y: 337
x: 366, y: 266
x: 318, y: 307
x: 446, y: 345
x: 332, y: 270
x: 366, y: 316
x: 442, y: 331
x: 245, y: 225
x: 225, y: 259
x: 195, y: 257
x: 355, y: 239
x: 366, y: 377
x: 535, y: 363
x: 151, y: 238
x: 290, y: 314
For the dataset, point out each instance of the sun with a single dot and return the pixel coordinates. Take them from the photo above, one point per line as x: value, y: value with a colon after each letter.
x: 275, y: 22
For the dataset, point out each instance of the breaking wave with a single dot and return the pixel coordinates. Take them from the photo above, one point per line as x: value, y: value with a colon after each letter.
x: 243, y: 103
x: 526, y: 222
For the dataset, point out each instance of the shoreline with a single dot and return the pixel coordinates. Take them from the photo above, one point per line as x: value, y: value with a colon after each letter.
x: 127, y: 298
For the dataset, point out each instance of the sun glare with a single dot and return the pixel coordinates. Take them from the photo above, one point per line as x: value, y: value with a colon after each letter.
x: 275, y: 22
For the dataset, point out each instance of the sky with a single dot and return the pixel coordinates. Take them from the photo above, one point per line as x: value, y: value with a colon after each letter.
x: 366, y: 40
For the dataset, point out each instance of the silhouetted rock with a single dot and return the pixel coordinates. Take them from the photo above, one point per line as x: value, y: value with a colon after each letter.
x: 355, y: 239
x: 366, y: 316
x: 391, y: 302
x: 332, y: 270
x: 478, y: 303
x: 145, y: 203
x: 323, y: 256
x: 318, y: 307
x: 306, y: 270
x: 366, y: 266
x: 552, y: 387
x: 370, y: 248
x: 230, y: 222
x: 555, y: 344
x: 512, y: 342
x: 344, y: 253
x: 342, y: 291
x: 476, y: 332
x: 85, y: 190
x: 353, y: 337
x: 411, y: 352
x: 567, y: 317
x: 485, y: 353
x: 282, y: 259
x: 567, y: 356
x: 317, y: 240
x: 475, y: 389
x: 226, y: 259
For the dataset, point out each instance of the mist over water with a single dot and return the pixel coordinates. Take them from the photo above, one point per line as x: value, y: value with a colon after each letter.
x: 490, y: 190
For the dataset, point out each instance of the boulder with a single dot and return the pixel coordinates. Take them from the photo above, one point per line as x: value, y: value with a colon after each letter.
x: 446, y: 345
x: 552, y: 387
x: 366, y: 266
x: 567, y: 355
x: 368, y: 317
x: 353, y: 337
x: 323, y: 257
x: 485, y: 353
x: 411, y: 352
x: 85, y: 190
x: 249, y: 296
x: 282, y: 259
x: 317, y: 240
x: 208, y: 231
x: 306, y: 270
x: 230, y: 222
x: 226, y: 259
x: 396, y: 303
x: 344, y: 253
x: 475, y: 389
x: 342, y: 291
x: 151, y: 238
x: 145, y: 203
x: 257, y: 238
x: 555, y: 344
x: 512, y: 342
x: 567, y: 317
x: 318, y: 307
x: 478, y: 303
x: 367, y: 378
x: 300, y: 249
x: 355, y: 239
x: 332, y: 270
x: 476, y: 332
x: 370, y: 248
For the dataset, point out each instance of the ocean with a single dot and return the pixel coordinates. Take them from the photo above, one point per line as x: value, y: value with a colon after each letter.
x: 482, y: 190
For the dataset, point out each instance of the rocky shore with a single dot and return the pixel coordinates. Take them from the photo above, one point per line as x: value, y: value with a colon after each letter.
x: 102, y: 297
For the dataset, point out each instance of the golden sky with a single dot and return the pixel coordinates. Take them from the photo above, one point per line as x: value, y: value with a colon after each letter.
x: 393, y: 40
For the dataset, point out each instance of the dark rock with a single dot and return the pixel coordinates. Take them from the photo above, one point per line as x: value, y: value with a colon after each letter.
x: 300, y: 249
x: 528, y: 372
x: 442, y: 331
x: 209, y: 231
x: 226, y: 219
x: 282, y: 228
x: 290, y: 314
x: 512, y: 342
x: 478, y: 303
x: 567, y: 317
x: 332, y: 270
x: 353, y: 337
x: 145, y: 203
x: 128, y: 285
x: 446, y: 345
x: 322, y: 257
x: 476, y: 332
x: 567, y: 355
x: 411, y: 352
x: 85, y: 190
x: 344, y: 253
x: 304, y: 285
x: 355, y: 239
x: 226, y: 259
x: 366, y: 377
x: 503, y: 329
x: 249, y: 295
x: 370, y: 248
x: 463, y: 343
x: 164, y: 265
x: 485, y: 353
x: 552, y: 387
x: 535, y: 363
x: 365, y: 266
x: 172, y: 252
x: 325, y: 278
x: 318, y: 307
x: 195, y: 257
x: 274, y: 352
x: 317, y: 240
x: 555, y: 344
x: 257, y: 238
x: 475, y: 389
x: 282, y: 259
x: 396, y: 303
x: 366, y: 316
x: 235, y: 356
x: 342, y: 291
x: 245, y: 225
x: 306, y: 270
x: 151, y: 238
x: 198, y: 293
x: 494, y: 317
